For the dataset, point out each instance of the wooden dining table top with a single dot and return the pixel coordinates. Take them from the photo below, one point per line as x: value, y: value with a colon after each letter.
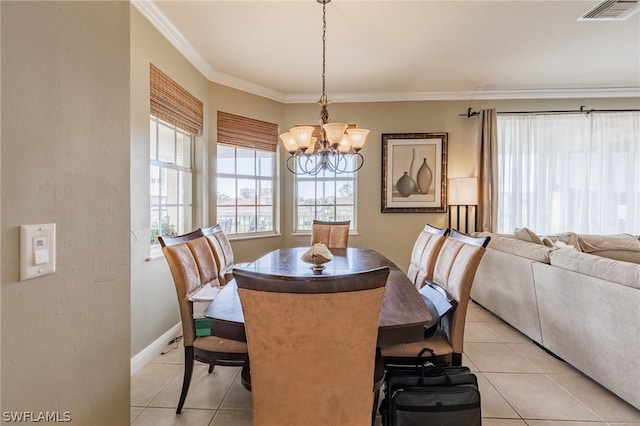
x: 402, y: 318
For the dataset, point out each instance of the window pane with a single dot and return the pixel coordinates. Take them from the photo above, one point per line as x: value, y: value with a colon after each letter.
x: 226, y: 191
x: 166, y: 144
x: 325, y: 192
x: 226, y: 159
x: 265, y: 161
x: 185, y: 192
x: 153, y: 139
x: 246, y: 192
x: 185, y: 224
x: 265, y: 219
x: 227, y: 219
x: 344, y: 213
x: 154, y: 184
x: 246, y: 162
x: 306, y: 192
x: 325, y: 213
x: 183, y: 149
x: 170, y: 221
x: 155, y: 224
x: 345, y: 193
x: 246, y: 219
x: 171, y: 186
x: 265, y: 192
x: 305, y: 218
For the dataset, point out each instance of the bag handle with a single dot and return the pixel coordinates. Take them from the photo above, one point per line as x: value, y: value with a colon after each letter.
x: 423, y: 364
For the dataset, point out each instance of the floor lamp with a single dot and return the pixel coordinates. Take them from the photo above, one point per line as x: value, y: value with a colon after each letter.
x: 463, y: 192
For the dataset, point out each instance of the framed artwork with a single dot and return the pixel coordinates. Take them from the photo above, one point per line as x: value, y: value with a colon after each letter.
x: 414, y: 172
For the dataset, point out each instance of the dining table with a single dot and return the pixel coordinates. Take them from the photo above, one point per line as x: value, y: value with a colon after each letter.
x: 403, y: 315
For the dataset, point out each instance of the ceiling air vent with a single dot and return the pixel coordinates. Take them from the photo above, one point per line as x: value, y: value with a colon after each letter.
x: 612, y: 10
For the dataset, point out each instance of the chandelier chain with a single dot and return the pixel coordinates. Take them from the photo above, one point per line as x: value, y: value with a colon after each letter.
x: 324, y: 42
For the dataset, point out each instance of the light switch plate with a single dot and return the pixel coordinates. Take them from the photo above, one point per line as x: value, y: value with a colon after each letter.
x: 37, y: 250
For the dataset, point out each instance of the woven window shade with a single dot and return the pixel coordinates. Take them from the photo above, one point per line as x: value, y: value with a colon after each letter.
x: 173, y: 104
x: 246, y: 132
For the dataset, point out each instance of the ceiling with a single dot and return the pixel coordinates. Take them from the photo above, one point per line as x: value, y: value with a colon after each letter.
x: 405, y: 50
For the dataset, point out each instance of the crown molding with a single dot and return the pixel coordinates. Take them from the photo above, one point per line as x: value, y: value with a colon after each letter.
x: 615, y: 92
x: 175, y: 37
x: 158, y: 19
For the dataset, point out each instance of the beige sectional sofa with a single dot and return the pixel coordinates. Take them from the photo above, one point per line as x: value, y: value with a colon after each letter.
x: 583, y: 307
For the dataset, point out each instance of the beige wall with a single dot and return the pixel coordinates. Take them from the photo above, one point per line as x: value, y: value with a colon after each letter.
x: 65, y: 159
x: 154, y: 308
x: 393, y: 234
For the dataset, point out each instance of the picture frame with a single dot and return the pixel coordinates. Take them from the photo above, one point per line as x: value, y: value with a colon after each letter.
x: 410, y: 162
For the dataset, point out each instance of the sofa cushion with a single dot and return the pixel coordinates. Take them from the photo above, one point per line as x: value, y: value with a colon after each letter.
x: 624, y: 273
x: 526, y: 234
x: 529, y: 250
x: 592, y: 243
x: 623, y: 255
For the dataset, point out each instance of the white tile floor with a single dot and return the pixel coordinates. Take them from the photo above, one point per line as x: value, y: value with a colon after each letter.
x: 520, y: 384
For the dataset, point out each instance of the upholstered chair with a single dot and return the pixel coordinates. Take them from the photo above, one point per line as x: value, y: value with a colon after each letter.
x: 222, y: 251
x: 454, y: 271
x: 195, y: 275
x: 424, y: 254
x: 331, y: 234
x: 312, y: 346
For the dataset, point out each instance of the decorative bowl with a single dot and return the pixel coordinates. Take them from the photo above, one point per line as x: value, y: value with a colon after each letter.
x: 317, y: 255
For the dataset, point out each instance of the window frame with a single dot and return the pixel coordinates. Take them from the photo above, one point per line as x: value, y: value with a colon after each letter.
x: 160, y: 164
x: 273, y: 178
x: 346, y: 177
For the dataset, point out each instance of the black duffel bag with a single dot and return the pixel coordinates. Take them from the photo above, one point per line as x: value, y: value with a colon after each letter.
x: 428, y: 394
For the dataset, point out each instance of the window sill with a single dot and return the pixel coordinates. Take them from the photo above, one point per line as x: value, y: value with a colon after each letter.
x: 155, y: 253
x: 241, y: 237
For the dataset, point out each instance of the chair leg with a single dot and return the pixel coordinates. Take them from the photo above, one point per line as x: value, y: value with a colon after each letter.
x: 186, y: 381
x: 456, y: 359
x: 376, y: 398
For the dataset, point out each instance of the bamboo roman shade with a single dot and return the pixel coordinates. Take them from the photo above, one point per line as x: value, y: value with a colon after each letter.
x: 246, y: 132
x: 173, y: 104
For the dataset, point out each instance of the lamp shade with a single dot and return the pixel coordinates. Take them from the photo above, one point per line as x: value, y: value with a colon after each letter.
x: 463, y: 191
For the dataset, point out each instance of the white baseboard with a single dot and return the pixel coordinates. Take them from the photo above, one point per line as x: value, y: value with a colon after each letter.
x: 143, y: 357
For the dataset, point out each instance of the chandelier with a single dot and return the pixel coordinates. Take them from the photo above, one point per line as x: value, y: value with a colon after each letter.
x: 337, y: 149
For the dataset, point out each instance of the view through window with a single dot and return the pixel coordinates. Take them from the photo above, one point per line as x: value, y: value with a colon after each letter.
x: 245, y: 190
x: 171, y: 176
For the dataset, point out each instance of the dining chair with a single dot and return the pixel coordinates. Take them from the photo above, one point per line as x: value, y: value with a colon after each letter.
x: 424, y: 254
x: 195, y: 275
x: 312, y: 346
x: 331, y: 234
x: 454, y: 271
x: 222, y: 251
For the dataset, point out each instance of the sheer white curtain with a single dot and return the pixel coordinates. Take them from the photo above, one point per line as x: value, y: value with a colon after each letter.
x: 569, y: 172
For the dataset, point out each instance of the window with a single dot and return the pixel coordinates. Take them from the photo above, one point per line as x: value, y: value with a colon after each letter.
x: 326, y: 196
x: 171, y: 180
x: 245, y: 180
x: 246, y: 175
x: 569, y: 172
x: 176, y: 120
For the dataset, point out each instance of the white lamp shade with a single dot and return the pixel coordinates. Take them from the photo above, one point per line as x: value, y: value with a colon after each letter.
x: 302, y: 135
x: 463, y: 191
x: 334, y: 132
x: 312, y: 146
x: 289, y: 142
x: 345, y: 144
x: 358, y: 137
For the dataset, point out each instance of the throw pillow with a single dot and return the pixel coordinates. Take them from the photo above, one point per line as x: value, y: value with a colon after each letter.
x: 526, y: 234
